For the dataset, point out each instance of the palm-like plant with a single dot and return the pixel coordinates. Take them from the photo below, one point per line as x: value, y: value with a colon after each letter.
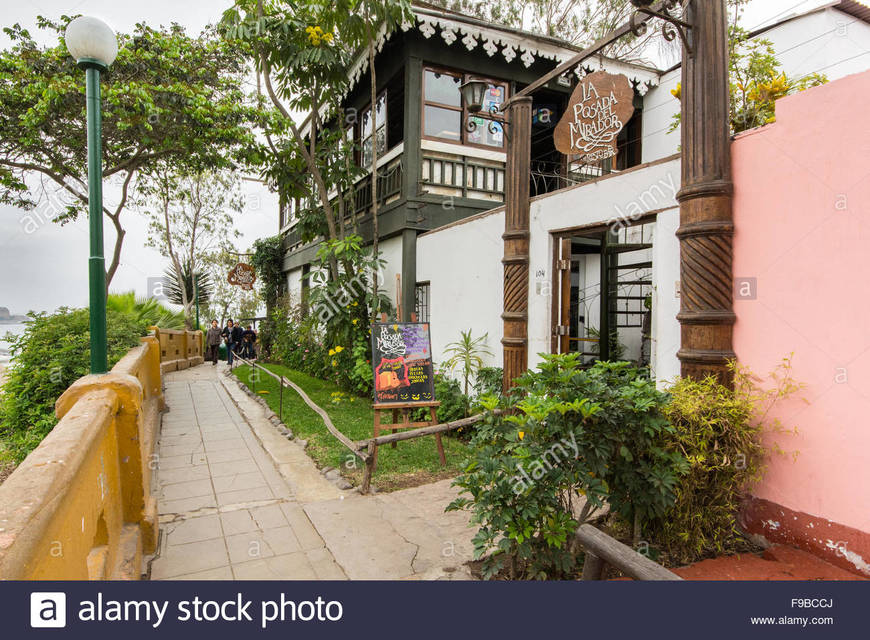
x: 172, y: 285
x: 467, y: 353
x: 145, y: 310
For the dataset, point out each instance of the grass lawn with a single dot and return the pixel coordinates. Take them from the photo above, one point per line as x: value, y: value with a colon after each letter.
x: 411, y: 463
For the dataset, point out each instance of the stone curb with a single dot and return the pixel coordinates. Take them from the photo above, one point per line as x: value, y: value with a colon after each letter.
x: 333, y: 475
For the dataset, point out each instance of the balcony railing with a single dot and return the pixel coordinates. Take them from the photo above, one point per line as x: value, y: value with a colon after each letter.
x: 448, y: 174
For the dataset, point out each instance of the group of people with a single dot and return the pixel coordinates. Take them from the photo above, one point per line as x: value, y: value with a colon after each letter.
x: 241, y: 342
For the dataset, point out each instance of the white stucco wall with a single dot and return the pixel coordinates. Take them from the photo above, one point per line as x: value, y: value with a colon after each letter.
x: 621, y: 196
x: 829, y: 42
x: 659, y: 108
x: 666, y: 302
x: 462, y: 263
x: 294, y: 285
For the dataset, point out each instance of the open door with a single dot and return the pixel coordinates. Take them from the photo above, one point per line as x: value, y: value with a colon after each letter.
x: 602, y: 294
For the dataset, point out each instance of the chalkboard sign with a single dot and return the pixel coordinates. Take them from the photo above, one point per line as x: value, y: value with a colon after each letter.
x: 402, y: 362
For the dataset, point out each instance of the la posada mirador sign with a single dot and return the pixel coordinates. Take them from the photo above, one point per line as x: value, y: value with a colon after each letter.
x: 598, y: 110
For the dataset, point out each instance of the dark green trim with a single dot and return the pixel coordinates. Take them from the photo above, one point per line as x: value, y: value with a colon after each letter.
x: 96, y: 262
x: 409, y: 273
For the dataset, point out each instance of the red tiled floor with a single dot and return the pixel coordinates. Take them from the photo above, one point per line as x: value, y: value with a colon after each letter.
x: 776, y: 563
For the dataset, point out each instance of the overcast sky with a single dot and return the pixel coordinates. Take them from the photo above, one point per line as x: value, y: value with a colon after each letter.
x: 44, y: 266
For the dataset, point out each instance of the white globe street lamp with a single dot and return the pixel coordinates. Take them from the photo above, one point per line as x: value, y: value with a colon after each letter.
x: 94, y: 46
x: 91, y: 40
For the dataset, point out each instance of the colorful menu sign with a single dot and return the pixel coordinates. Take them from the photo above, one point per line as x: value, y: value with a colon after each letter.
x: 599, y: 108
x: 402, y: 362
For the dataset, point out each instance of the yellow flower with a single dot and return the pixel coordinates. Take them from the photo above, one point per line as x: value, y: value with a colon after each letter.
x: 356, y: 320
x: 327, y: 37
x: 355, y: 304
x: 522, y: 434
x: 678, y: 92
x: 339, y: 349
x: 332, y: 352
x: 334, y: 363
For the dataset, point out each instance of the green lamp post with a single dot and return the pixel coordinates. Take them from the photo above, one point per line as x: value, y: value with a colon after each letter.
x: 93, y: 45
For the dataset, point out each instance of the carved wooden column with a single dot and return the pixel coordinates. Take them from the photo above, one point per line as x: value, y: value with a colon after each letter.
x: 706, y: 227
x: 516, y: 241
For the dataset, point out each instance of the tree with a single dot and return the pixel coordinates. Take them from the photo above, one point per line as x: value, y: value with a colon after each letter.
x: 191, y: 216
x: 756, y: 78
x: 168, y: 98
x: 580, y: 22
x: 365, y: 19
x: 227, y: 301
x: 302, y: 67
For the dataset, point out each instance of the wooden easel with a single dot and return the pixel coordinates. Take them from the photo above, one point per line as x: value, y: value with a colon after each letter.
x: 405, y: 409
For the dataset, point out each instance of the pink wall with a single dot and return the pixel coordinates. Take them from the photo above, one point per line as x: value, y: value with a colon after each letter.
x: 802, y: 215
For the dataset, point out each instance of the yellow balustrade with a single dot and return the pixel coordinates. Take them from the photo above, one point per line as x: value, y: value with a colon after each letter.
x: 80, y: 505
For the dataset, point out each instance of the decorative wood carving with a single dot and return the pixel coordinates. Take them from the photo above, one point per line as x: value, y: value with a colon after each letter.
x: 516, y: 242
x: 706, y: 227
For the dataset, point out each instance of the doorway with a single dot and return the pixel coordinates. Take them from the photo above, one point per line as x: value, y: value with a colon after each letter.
x: 602, y: 293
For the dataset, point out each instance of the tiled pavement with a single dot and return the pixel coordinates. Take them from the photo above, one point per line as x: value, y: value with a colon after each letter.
x: 225, y: 510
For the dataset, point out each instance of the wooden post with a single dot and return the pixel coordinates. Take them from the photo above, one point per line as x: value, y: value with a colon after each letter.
x: 281, y: 400
x: 706, y: 223
x: 516, y: 241
x: 593, y: 567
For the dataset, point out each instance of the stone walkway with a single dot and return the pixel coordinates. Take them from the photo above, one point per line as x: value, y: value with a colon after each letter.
x: 239, y: 501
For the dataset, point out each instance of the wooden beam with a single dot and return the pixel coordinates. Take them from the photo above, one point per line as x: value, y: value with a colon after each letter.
x: 630, y: 562
x: 343, y: 439
x: 424, y: 431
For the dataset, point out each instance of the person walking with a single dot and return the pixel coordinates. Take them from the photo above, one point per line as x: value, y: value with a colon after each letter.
x: 232, y: 334
x: 249, y: 338
x: 213, y: 341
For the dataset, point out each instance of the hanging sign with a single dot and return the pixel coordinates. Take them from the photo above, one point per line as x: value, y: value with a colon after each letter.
x: 599, y: 108
x: 402, y: 362
x: 242, y: 275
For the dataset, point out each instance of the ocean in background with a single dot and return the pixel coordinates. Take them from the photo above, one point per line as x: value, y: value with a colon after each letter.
x: 14, y: 328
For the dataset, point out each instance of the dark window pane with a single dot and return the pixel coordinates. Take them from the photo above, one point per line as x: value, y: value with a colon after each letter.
x: 442, y: 123
x: 442, y: 88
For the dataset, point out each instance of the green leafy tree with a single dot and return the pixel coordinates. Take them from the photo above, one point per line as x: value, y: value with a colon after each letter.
x: 192, y: 215
x: 51, y: 354
x: 147, y: 311
x: 565, y: 431
x: 302, y: 67
x: 756, y: 77
x: 168, y: 98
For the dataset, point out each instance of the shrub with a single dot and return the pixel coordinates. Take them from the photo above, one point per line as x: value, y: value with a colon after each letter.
x: 597, y: 432
x: 488, y: 381
x: 718, y: 429
x: 51, y: 354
